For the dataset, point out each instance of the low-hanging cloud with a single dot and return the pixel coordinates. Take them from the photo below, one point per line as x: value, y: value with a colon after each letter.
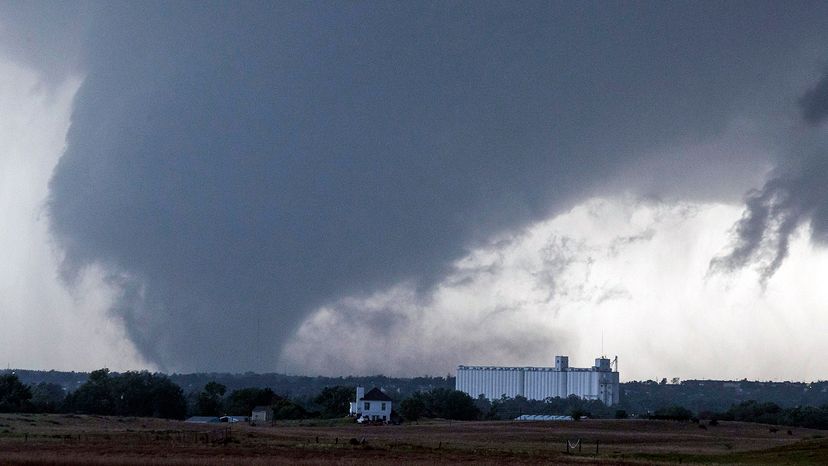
x: 815, y: 102
x: 795, y: 195
x: 629, y: 279
x: 235, y: 167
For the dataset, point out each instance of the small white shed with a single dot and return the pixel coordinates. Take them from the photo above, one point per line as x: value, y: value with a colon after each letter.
x: 261, y: 414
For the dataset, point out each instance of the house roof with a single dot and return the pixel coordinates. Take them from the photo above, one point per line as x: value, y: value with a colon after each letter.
x: 234, y: 418
x: 376, y: 395
x: 261, y: 408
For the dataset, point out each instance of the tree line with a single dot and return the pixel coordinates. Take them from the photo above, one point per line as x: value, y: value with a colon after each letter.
x: 719, y: 395
x: 636, y: 397
x: 128, y: 394
x: 814, y: 417
x: 140, y: 393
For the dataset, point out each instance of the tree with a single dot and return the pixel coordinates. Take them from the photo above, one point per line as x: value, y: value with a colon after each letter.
x: 335, y: 401
x: 169, y: 401
x: 413, y: 407
x: 14, y: 396
x: 753, y: 411
x: 459, y: 405
x: 673, y: 413
x: 443, y: 402
x: 243, y: 401
x: 579, y: 413
x: 286, y: 409
x: 129, y: 394
x: 209, y: 401
x: 132, y: 394
x: 95, y: 396
x: 47, y: 397
x: 486, y: 407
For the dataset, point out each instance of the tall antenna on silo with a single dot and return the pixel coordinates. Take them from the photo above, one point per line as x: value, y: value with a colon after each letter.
x: 258, y: 343
x: 602, y: 342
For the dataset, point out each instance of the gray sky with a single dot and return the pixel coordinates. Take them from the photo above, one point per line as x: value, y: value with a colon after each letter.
x: 269, y: 186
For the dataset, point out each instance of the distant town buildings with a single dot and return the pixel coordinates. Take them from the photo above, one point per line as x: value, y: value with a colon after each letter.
x: 599, y: 382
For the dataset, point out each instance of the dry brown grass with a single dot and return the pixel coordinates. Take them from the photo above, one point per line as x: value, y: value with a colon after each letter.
x: 70, y: 439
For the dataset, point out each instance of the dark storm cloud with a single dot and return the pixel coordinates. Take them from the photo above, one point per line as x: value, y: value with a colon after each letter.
x: 234, y: 165
x: 796, y: 194
x: 815, y: 102
x: 771, y: 216
x: 44, y: 35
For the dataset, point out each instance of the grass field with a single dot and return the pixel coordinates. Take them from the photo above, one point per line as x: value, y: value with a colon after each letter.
x: 72, y: 439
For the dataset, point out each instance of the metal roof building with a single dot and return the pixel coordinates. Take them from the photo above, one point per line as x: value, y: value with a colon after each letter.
x: 542, y: 417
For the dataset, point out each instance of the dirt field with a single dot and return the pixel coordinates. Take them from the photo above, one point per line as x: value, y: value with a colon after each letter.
x: 72, y: 439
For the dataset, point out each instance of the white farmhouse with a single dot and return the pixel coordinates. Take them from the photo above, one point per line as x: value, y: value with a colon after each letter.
x: 372, y: 406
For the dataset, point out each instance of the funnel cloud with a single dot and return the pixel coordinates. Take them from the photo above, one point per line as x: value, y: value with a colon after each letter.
x: 796, y: 195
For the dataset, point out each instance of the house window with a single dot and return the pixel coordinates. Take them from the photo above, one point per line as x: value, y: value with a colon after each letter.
x: 367, y: 406
x: 383, y: 407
